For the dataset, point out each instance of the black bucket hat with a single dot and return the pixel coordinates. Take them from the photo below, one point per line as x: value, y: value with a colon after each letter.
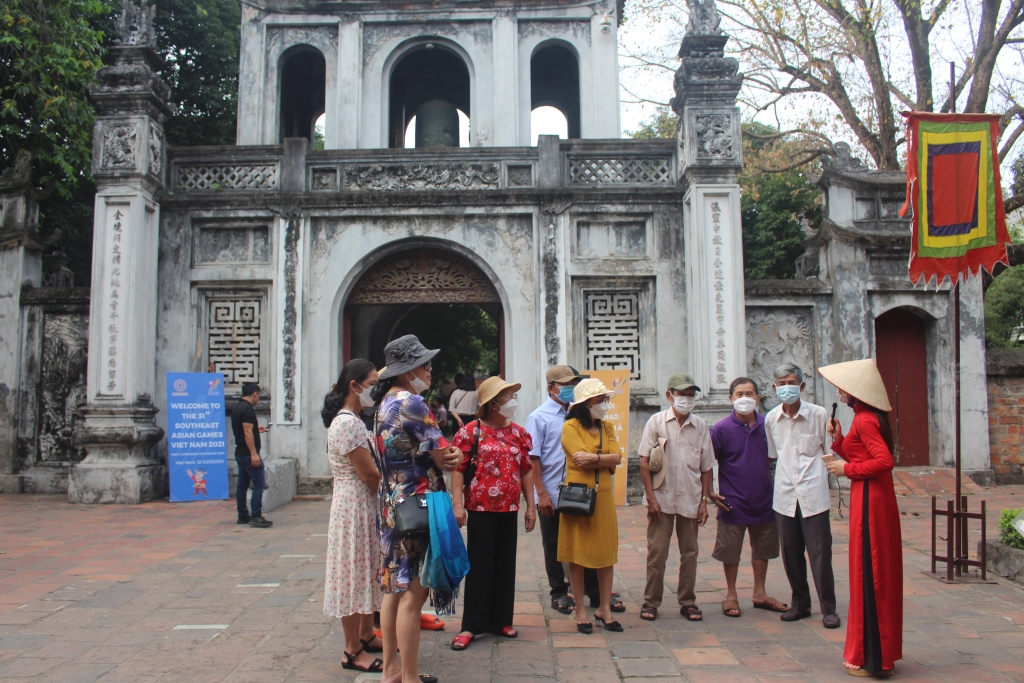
x: 405, y: 354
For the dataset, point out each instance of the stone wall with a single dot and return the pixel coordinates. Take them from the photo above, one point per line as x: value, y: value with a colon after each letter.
x: 1006, y: 414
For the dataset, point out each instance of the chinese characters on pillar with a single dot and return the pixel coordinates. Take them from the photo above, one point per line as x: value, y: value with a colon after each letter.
x: 111, y: 375
x: 716, y: 225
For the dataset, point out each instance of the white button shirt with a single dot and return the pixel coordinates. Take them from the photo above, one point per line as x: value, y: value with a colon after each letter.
x: 800, y: 475
x: 688, y: 453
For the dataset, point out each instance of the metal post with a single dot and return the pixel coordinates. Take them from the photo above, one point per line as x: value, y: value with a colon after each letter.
x: 983, y: 551
x: 949, y: 541
x: 956, y: 388
x: 933, y: 534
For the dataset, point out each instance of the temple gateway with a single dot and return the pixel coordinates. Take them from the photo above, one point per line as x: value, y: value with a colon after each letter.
x: 275, y: 262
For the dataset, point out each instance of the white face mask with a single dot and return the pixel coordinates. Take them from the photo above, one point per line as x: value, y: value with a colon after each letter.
x: 744, y: 406
x: 597, y: 412
x: 364, y: 397
x: 418, y: 385
x: 684, y: 404
x: 509, y: 409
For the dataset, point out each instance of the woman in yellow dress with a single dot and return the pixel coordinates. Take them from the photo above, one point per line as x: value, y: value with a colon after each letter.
x: 591, y: 455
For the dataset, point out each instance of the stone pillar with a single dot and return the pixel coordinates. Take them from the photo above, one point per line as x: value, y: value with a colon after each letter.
x: 119, y: 430
x: 711, y: 154
x: 20, y: 265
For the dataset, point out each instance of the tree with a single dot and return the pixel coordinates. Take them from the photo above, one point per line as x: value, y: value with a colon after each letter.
x: 1004, y: 309
x: 841, y: 65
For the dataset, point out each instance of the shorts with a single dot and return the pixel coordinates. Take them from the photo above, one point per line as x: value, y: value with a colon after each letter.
x: 764, y: 542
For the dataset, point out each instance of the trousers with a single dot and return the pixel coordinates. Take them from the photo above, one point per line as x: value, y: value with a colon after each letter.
x: 659, y: 538
x: 491, y: 583
x: 257, y: 477
x: 814, y: 534
x: 555, y: 570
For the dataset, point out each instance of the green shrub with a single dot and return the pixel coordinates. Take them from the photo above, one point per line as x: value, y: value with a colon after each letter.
x: 1007, y: 534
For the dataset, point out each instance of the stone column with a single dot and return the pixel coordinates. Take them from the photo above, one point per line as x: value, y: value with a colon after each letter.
x: 711, y: 154
x: 119, y: 432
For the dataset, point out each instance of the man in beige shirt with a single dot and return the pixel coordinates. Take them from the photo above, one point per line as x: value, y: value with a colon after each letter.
x: 676, y: 493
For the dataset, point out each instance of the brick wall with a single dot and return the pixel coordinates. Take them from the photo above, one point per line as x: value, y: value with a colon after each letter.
x: 1006, y: 414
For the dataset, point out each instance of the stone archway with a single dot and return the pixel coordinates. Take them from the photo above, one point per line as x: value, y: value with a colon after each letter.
x: 403, y: 283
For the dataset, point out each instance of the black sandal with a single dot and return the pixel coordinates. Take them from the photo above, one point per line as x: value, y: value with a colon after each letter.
x: 691, y: 613
x: 427, y: 678
x: 613, y: 626
x: 585, y: 628
x: 377, y: 666
x: 367, y: 647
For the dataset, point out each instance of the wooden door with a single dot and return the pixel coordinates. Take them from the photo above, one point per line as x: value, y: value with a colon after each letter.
x: 901, y: 357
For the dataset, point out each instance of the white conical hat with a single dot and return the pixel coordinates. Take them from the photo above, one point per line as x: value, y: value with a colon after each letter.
x: 860, y: 379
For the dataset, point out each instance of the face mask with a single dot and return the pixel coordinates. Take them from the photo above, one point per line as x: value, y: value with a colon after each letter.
x: 684, y: 404
x: 597, y: 412
x: 788, y: 394
x: 509, y: 409
x: 565, y: 394
x: 364, y: 398
x: 418, y: 385
x: 744, y: 406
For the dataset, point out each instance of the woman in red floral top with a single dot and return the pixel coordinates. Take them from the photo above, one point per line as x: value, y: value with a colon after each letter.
x: 496, y: 473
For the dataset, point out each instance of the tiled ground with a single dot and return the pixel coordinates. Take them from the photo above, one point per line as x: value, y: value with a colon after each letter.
x: 96, y: 593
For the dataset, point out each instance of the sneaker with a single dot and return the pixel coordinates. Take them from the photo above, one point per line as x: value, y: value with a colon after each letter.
x: 243, y: 520
x: 260, y: 522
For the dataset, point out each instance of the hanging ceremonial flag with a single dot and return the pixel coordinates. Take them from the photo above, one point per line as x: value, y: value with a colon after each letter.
x: 954, y: 191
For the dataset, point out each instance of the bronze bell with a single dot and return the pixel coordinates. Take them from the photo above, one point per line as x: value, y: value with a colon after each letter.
x: 437, y: 124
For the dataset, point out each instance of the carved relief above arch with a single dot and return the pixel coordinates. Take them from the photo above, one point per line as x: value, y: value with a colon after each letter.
x: 424, y: 276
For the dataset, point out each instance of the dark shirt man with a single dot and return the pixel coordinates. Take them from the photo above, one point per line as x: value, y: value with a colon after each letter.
x: 251, y: 470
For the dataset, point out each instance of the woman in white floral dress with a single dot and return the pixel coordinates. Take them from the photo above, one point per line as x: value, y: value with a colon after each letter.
x: 352, y: 591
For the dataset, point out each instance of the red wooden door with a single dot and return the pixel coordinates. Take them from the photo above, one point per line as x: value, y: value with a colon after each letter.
x: 901, y: 357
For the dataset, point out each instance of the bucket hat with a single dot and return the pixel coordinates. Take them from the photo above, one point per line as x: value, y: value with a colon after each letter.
x: 860, y: 379
x: 405, y: 354
x: 588, y: 389
x: 489, y: 390
x: 657, y: 463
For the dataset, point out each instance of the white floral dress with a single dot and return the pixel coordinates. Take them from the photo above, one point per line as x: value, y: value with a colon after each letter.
x: 353, y: 553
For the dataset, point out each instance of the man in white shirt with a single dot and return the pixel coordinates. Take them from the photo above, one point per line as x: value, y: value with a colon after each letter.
x: 676, y: 493
x: 796, y: 436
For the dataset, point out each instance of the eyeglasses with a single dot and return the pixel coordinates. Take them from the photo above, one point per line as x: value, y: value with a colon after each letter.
x: 427, y: 366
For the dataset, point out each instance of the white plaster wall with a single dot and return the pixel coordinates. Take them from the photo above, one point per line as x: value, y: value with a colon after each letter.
x: 250, y: 77
x: 18, y: 266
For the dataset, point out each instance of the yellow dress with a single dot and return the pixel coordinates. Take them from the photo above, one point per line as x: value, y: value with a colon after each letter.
x: 589, y: 541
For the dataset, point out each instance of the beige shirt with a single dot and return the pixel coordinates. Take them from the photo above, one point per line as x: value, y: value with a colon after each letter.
x: 688, y: 453
x: 800, y: 474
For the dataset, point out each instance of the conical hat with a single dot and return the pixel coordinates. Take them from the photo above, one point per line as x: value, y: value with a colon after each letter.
x: 860, y: 379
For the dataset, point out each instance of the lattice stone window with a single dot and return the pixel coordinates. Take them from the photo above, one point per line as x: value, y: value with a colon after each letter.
x: 226, y: 177
x: 645, y: 171
x: 613, y: 331
x: 233, y: 339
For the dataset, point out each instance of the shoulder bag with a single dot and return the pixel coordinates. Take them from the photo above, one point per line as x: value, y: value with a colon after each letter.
x: 579, y: 499
x: 412, y: 517
x: 470, y: 472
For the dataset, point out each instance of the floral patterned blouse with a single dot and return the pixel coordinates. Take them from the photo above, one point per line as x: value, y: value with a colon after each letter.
x: 503, y: 458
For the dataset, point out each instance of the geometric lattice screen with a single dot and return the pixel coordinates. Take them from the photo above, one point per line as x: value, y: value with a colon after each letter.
x: 613, y: 331
x: 234, y: 340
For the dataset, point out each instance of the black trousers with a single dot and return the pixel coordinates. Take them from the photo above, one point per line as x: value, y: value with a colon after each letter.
x: 814, y: 534
x: 491, y: 583
x: 555, y: 571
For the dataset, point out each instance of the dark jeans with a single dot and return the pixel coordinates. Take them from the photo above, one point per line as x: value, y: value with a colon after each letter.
x: 248, y: 474
x: 555, y: 570
x: 815, y: 534
x: 491, y: 583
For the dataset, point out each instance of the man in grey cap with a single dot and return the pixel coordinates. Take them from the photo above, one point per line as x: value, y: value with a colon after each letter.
x: 676, y: 445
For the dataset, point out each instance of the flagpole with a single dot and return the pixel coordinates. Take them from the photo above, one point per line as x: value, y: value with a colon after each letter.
x: 960, y: 524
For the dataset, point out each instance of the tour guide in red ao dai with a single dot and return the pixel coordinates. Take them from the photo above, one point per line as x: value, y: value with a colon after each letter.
x: 874, y: 623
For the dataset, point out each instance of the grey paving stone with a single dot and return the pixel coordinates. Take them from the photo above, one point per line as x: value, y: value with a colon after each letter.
x: 650, y: 666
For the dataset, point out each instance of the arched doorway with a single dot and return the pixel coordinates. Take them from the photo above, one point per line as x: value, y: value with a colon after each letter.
x: 438, y: 295
x: 432, y: 84
x: 901, y: 355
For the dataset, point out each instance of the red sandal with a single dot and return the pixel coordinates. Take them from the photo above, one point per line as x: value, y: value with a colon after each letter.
x: 461, y: 642
x: 509, y: 632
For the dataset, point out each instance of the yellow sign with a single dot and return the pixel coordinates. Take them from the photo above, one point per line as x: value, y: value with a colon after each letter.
x: 618, y: 381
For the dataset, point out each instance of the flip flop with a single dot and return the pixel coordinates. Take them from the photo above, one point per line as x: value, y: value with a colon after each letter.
x: 428, y: 622
x: 731, y: 608
x: 772, y: 605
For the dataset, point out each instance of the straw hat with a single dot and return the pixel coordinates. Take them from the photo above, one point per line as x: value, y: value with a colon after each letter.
x: 489, y: 390
x: 588, y: 389
x: 860, y: 379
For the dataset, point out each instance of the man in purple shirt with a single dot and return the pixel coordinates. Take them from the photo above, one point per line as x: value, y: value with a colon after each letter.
x: 744, y: 497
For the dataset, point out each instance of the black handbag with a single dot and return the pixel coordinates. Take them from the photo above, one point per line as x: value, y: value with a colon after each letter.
x: 470, y: 471
x: 578, y: 500
x: 412, y: 515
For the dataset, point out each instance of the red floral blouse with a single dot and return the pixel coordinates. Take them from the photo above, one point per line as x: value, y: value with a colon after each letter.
x: 503, y: 458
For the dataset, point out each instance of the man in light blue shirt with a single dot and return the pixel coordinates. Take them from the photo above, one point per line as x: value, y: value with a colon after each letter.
x: 545, y: 428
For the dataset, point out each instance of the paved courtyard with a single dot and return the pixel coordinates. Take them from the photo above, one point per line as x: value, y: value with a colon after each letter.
x: 179, y: 593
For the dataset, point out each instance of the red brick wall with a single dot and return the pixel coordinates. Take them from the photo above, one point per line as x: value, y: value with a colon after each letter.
x: 1006, y: 414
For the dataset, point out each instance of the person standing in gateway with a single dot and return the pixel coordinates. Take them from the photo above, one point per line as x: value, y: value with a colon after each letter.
x: 247, y: 432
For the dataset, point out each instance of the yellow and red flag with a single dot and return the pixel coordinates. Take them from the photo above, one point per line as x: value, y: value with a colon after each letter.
x: 953, y: 188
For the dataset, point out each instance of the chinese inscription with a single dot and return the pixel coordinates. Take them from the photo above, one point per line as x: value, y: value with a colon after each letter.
x: 716, y: 240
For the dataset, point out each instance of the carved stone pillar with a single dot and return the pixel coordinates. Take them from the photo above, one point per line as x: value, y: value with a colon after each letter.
x: 119, y: 431
x: 706, y: 85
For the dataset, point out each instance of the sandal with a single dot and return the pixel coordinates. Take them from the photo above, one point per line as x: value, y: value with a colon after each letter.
x: 427, y: 678
x: 461, y: 642
x: 772, y: 605
x: 613, y: 626
x: 617, y: 606
x: 371, y: 648
x: 376, y: 666
x: 731, y: 608
x: 693, y: 613
x: 428, y: 622
x: 585, y: 628
x: 648, y: 613
x: 509, y: 632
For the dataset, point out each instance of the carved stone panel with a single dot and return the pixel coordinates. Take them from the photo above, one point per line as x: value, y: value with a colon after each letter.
x: 324, y: 180
x: 422, y: 176
x: 63, y: 385
x: 777, y: 335
x: 232, y: 244
x: 233, y: 336
x: 622, y: 239
x: 520, y: 176
x: 613, y: 331
x: 714, y: 136
x: 156, y: 150
x: 120, y: 142
x: 424, y: 276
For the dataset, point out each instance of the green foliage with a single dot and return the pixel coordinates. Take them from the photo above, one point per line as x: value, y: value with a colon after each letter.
x: 663, y: 124
x: 1004, y: 308
x: 1007, y: 534
x: 466, y: 335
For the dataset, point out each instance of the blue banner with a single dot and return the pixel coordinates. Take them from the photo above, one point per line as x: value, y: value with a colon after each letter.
x: 197, y: 439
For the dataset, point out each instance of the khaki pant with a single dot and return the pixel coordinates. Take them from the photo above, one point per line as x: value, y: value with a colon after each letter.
x: 659, y: 536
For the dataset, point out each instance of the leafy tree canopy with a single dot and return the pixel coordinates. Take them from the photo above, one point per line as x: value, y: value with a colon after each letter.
x: 466, y: 335
x: 1004, y: 309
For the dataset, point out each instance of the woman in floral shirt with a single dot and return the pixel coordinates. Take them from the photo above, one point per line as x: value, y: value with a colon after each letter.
x: 496, y: 472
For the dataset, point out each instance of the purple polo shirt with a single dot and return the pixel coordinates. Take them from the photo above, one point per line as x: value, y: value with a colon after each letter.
x: 744, y: 470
